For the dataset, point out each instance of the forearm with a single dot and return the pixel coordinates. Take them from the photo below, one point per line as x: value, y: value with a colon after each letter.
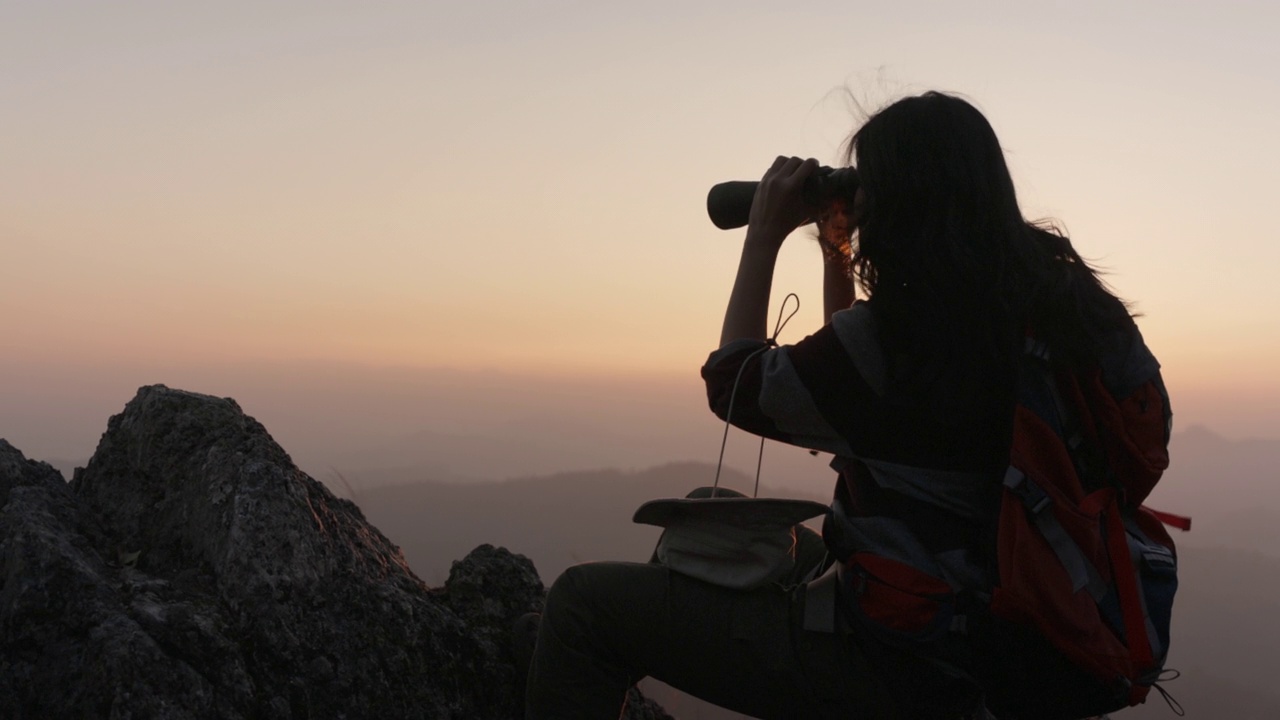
x: 748, y: 311
x: 777, y: 209
x: 837, y: 285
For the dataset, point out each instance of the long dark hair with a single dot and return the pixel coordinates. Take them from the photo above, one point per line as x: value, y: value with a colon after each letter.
x: 944, y: 253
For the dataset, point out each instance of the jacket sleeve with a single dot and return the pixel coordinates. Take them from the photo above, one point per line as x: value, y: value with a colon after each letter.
x: 813, y: 394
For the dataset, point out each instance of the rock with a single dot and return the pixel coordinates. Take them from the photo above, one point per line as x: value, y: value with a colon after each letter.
x: 639, y: 707
x: 192, y: 571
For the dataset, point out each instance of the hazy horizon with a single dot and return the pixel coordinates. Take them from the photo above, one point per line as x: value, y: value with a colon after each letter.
x: 490, y: 425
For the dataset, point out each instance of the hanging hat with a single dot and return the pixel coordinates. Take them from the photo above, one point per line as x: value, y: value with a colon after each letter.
x: 734, y: 542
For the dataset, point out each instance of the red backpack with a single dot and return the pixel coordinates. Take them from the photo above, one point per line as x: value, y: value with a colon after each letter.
x: 1079, y: 557
x: 1076, y: 554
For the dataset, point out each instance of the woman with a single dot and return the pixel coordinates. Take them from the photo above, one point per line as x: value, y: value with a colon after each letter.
x: 919, y: 376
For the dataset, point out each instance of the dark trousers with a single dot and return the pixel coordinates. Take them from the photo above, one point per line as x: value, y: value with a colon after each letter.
x: 607, y: 625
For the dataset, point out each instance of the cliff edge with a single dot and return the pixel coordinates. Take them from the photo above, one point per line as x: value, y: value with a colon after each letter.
x: 190, y: 570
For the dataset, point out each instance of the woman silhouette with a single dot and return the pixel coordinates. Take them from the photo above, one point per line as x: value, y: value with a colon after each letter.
x: 912, y: 389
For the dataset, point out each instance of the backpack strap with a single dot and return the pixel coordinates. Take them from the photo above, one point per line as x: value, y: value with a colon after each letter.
x: 1086, y: 453
x: 1135, y: 620
x: 1181, y: 522
x: 1039, y: 505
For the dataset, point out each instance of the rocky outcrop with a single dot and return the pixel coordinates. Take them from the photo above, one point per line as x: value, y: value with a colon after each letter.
x: 192, y: 571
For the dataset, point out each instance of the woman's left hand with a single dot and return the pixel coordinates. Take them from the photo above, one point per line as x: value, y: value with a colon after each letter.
x: 778, y: 207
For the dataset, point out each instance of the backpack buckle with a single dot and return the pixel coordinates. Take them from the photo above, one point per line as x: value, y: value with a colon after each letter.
x: 1032, y: 496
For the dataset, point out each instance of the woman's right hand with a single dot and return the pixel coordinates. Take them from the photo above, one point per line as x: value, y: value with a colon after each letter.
x: 778, y: 207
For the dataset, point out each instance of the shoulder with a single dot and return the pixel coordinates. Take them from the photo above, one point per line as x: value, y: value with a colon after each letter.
x: 858, y: 332
x: 1126, y: 361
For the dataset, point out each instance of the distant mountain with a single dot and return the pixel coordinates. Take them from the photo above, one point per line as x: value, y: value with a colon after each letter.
x: 527, y: 449
x: 1231, y: 489
x: 1206, y: 466
x: 556, y: 521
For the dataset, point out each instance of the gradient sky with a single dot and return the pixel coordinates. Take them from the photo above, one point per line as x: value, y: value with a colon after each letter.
x: 520, y: 185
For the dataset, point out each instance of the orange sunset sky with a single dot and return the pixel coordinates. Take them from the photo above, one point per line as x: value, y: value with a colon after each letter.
x: 201, y: 189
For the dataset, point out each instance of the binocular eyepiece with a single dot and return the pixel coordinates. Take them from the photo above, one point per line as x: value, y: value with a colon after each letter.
x: 729, y: 203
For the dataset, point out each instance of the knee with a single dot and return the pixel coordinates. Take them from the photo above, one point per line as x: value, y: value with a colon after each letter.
x: 570, y: 583
x: 570, y: 593
x: 597, y: 592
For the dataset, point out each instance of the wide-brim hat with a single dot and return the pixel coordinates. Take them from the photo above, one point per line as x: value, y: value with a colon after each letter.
x: 735, y: 542
x: 759, y: 514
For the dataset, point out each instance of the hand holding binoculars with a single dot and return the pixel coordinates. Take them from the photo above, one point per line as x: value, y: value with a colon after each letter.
x: 729, y: 203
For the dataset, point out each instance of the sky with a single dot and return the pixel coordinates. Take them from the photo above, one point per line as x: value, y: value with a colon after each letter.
x: 210, y: 192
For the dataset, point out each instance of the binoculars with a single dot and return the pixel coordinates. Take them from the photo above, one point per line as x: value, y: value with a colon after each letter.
x: 729, y: 203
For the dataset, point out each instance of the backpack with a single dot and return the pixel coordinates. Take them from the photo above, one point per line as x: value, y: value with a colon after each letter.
x: 1074, y: 553
x: 1078, y: 555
